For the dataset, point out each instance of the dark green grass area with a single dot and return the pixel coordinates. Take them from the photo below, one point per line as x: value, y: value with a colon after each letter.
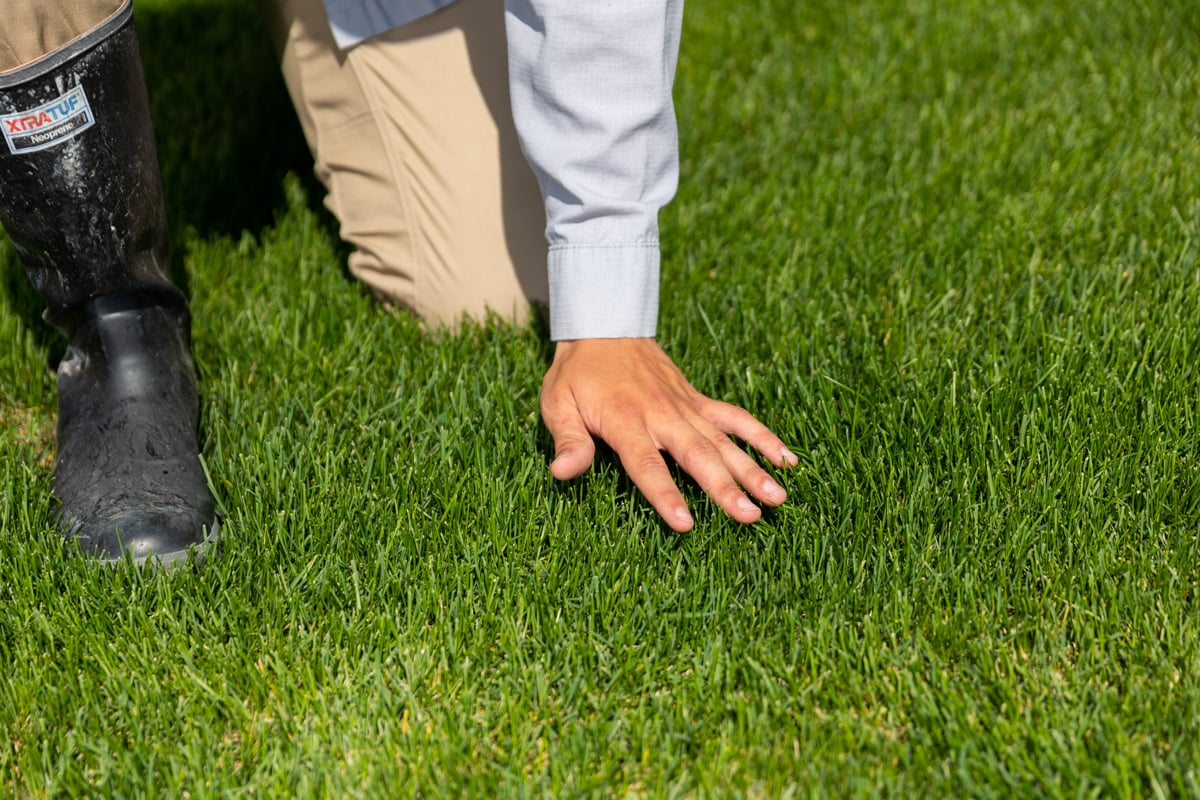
x: 947, y: 250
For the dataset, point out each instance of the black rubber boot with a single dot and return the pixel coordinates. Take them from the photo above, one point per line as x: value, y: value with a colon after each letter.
x: 81, y: 199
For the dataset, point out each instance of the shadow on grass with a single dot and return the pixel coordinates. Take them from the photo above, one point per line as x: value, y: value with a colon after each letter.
x: 20, y: 300
x: 225, y: 127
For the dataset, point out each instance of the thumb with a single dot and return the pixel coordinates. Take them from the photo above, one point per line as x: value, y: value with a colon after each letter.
x: 574, y: 448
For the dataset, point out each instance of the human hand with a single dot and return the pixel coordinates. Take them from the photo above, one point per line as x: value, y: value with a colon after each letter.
x: 629, y: 393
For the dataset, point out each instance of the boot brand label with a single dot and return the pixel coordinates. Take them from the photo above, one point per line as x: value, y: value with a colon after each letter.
x: 48, y: 124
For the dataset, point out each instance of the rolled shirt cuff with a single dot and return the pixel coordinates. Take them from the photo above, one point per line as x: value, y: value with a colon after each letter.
x: 603, y: 291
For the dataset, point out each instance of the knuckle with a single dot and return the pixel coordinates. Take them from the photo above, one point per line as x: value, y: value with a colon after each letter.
x: 721, y: 441
x: 647, y: 462
x: 734, y: 417
x: 703, y: 449
x: 551, y: 403
x: 568, y: 440
x: 625, y: 407
x: 719, y: 407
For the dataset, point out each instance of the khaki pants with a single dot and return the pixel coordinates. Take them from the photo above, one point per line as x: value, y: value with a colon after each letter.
x: 32, y: 28
x: 412, y: 136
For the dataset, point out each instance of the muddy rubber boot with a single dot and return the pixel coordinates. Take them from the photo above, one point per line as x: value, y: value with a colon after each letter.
x: 81, y: 199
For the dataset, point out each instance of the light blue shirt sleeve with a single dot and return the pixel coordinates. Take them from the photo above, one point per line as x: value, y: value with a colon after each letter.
x: 591, y: 85
x: 591, y: 93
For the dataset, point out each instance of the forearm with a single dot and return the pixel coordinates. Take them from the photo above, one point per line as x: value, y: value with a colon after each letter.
x: 591, y: 93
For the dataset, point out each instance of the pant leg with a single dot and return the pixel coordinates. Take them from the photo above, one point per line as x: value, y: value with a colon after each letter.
x: 412, y: 135
x: 32, y: 28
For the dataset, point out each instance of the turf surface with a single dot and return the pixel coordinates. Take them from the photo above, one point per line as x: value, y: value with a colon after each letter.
x: 947, y: 250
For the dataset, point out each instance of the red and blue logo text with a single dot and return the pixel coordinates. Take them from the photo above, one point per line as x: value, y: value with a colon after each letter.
x: 48, y: 124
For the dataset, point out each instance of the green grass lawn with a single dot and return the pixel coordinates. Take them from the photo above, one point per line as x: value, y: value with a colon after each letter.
x: 949, y: 251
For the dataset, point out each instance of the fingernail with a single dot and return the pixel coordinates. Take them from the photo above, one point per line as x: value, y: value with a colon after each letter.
x: 744, y: 504
x: 771, y: 488
x: 789, y: 457
x: 682, y: 515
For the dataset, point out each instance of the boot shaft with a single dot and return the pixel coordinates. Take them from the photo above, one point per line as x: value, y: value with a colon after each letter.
x: 80, y: 193
x: 80, y: 196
